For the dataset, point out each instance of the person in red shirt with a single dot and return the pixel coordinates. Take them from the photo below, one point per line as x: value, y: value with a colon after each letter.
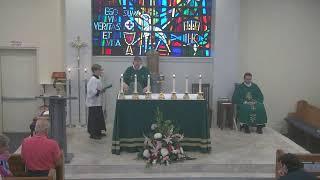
x: 40, y: 153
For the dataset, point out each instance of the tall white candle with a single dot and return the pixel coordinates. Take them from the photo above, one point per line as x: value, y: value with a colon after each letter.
x: 148, y: 88
x: 135, y: 84
x: 121, y: 83
x: 174, y: 83
x: 187, y: 79
x: 85, y: 73
x: 200, y: 83
x: 69, y: 73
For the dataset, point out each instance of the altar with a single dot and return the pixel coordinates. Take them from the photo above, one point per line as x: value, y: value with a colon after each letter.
x: 133, y: 119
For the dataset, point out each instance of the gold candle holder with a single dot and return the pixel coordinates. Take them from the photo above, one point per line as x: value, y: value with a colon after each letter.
x: 135, y: 96
x: 121, y: 95
x: 148, y: 95
x: 186, y: 96
x: 200, y: 96
x: 161, y: 96
x: 174, y: 96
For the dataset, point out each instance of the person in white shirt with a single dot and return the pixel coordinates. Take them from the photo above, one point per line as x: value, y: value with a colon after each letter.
x: 96, y: 123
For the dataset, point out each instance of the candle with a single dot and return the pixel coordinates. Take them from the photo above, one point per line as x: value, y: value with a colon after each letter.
x: 135, y: 84
x: 200, y: 82
x: 187, y: 83
x: 148, y: 88
x: 173, y: 83
x: 69, y: 73
x: 85, y: 71
x: 121, y: 83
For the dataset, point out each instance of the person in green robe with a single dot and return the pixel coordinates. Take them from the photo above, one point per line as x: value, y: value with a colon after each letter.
x: 250, y: 108
x: 142, y: 77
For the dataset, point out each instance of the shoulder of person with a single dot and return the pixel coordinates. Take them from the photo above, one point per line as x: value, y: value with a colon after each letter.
x: 51, y: 142
x: 241, y: 85
x: 27, y: 139
x: 255, y: 85
x: 130, y: 68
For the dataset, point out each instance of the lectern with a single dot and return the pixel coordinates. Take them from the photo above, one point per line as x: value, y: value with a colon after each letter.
x: 57, y: 114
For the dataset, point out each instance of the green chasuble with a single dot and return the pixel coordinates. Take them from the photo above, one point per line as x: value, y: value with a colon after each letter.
x: 142, y: 77
x: 250, y: 106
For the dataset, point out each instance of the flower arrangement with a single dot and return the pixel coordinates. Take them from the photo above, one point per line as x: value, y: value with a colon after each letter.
x: 162, y: 146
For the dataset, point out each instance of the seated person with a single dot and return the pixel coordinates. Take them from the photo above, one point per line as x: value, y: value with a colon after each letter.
x: 142, y: 77
x: 4, y: 156
x: 292, y: 169
x: 250, y: 108
x: 39, y: 153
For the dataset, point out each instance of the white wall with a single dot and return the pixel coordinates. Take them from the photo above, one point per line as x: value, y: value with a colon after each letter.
x: 37, y: 22
x: 78, y: 22
x: 226, y: 63
x: 280, y: 45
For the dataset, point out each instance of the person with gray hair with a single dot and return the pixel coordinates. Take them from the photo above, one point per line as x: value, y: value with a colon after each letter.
x: 4, y: 156
x: 40, y: 153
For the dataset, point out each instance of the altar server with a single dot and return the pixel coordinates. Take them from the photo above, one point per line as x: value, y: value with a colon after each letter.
x: 96, y: 123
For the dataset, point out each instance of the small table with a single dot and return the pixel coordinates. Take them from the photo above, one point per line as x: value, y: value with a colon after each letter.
x: 225, y: 114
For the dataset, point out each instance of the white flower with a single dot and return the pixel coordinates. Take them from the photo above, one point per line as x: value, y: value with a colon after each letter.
x: 181, y: 150
x: 154, y: 126
x: 154, y: 162
x: 175, y: 151
x: 164, y: 151
x: 146, y: 153
x: 157, y: 136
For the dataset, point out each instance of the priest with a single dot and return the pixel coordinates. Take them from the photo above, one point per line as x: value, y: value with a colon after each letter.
x: 250, y: 109
x: 142, y: 77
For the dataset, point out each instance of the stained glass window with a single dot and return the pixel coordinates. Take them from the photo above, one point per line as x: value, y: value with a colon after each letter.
x: 179, y: 28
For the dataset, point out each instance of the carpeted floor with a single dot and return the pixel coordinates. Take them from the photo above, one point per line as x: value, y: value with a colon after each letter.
x: 15, y: 140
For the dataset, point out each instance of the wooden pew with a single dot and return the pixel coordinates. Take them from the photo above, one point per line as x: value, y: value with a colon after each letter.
x: 309, y: 161
x: 304, y: 126
x: 18, y: 169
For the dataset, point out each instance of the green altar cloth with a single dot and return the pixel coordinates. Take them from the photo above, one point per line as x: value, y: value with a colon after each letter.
x: 133, y: 118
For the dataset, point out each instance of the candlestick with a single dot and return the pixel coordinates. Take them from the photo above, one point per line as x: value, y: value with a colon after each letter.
x: 121, y: 84
x: 174, y: 95
x: 121, y: 94
x: 135, y: 95
x: 135, y: 84
x: 148, y: 93
x: 173, y: 83
x: 69, y: 73
x: 200, y: 83
x: 186, y: 94
x: 85, y: 73
x: 148, y: 88
x: 200, y: 93
x: 187, y: 79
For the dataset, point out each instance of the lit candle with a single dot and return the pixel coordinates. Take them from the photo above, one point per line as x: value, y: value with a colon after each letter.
x: 69, y: 73
x: 135, y: 84
x: 200, y: 82
x: 173, y: 83
x: 121, y: 83
x: 187, y: 83
x: 85, y: 73
x: 148, y: 88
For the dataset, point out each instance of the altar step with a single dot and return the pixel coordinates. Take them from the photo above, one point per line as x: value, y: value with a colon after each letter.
x: 173, y: 171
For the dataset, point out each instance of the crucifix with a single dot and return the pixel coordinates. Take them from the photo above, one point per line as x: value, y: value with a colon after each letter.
x: 78, y: 44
